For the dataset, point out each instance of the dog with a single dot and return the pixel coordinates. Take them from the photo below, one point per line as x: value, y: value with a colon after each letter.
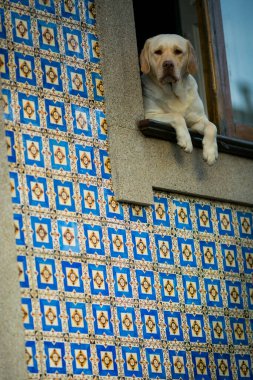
x: 170, y: 93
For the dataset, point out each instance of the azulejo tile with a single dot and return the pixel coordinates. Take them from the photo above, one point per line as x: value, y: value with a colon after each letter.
x: 132, y: 358
x: 225, y: 222
x: 11, y: 146
x: 41, y: 232
x: 76, y: 313
x: 73, y: 281
x: 26, y: 308
x: 178, y: 361
x: 68, y: 236
x: 191, y: 290
x: 31, y: 357
x: 146, y: 284
x: 81, y: 120
x: 73, y: 42
x: 201, y: 365
x: 122, y: 282
x: 98, y: 88
x: 204, y: 218
x: 81, y: 362
x: 64, y: 195
x: 168, y: 283
x: 4, y: 64
x: 244, y: 366
x: 25, y: 67
x: 230, y: 258
x: 182, y: 215
x: 213, y: 292
x: 60, y: 155
x: 2, y: 25
x: 107, y: 365
x: 21, y: 29
x: 7, y: 104
x: 118, y: 247
x: 70, y: 9
x: 160, y: 212
x: 127, y: 322
x: 150, y: 325
x: 173, y: 321
x: 55, y: 115
x: 247, y: 254
x: 98, y: 279
x: 239, y: 334
x: 15, y: 187
x: 55, y: 357
x: 102, y: 319
x: 196, y: 328
x: 208, y: 251
x: 94, y: 239
x: 155, y: 361
x: 45, y: 5
x: 29, y: 108
x: 37, y: 191
x: 33, y: 150
x: 22, y: 271
x: 50, y: 315
x: 223, y: 366
x: 52, y: 75
x: 85, y: 160
x: 94, y: 50
x: 48, y: 38
x: 187, y: 252
x: 218, y: 329
x: 245, y: 220
x: 46, y: 273
x: 77, y: 82
x: 141, y: 246
x: 19, y: 229
x: 164, y: 249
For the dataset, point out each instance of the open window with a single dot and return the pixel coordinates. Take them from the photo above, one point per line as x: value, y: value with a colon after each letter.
x: 224, y: 49
x: 141, y: 164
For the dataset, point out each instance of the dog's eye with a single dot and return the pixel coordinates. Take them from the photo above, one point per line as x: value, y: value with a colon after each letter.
x: 158, y: 52
x: 178, y: 51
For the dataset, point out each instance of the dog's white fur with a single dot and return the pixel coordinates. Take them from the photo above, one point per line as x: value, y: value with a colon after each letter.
x: 170, y: 91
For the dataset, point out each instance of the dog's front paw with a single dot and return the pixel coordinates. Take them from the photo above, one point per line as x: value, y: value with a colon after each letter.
x: 185, y: 143
x: 210, y: 153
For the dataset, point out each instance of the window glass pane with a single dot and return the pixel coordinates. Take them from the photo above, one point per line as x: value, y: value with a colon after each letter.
x: 238, y: 31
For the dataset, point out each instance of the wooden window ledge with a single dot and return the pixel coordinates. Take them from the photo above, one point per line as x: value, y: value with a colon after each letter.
x: 159, y: 130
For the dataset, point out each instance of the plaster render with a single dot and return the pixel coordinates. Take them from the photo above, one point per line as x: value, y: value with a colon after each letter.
x: 12, y: 347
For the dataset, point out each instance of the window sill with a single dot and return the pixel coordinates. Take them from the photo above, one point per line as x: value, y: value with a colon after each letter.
x: 159, y: 130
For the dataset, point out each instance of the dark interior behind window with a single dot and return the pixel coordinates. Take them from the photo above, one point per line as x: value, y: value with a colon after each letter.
x: 159, y: 17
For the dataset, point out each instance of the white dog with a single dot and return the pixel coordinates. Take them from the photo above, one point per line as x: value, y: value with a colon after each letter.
x: 170, y: 92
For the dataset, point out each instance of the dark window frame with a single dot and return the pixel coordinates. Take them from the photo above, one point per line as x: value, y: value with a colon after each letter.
x: 216, y: 71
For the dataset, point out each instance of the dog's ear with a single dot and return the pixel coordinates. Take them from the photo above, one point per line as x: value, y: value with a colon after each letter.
x: 144, y: 59
x: 192, y: 65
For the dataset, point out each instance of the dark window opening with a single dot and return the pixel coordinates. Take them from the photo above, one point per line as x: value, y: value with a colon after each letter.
x: 161, y: 17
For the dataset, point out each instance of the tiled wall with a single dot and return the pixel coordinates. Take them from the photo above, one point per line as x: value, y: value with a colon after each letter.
x: 109, y: 290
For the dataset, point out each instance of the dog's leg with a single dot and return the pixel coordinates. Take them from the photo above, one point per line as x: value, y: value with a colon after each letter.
x: 179, y: 124
x: 209, y: 131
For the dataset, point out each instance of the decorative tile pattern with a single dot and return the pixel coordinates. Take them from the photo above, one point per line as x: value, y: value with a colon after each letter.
x: 109, y: 290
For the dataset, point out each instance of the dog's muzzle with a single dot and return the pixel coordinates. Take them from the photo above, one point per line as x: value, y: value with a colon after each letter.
x: 169, y: 75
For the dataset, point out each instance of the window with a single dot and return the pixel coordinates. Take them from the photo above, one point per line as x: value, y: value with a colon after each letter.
x: 226, y: 40
x: 224, y: 46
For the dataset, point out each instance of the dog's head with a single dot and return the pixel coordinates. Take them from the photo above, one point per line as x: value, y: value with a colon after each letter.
x: 168, y: 57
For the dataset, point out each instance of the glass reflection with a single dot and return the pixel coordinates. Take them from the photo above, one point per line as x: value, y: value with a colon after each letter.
x: 238, y: 32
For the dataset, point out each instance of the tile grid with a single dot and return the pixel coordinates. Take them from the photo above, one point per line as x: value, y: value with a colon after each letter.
x: 87, y: 255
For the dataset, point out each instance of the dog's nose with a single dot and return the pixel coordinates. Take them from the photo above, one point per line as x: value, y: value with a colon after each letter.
x: 169, y: 65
